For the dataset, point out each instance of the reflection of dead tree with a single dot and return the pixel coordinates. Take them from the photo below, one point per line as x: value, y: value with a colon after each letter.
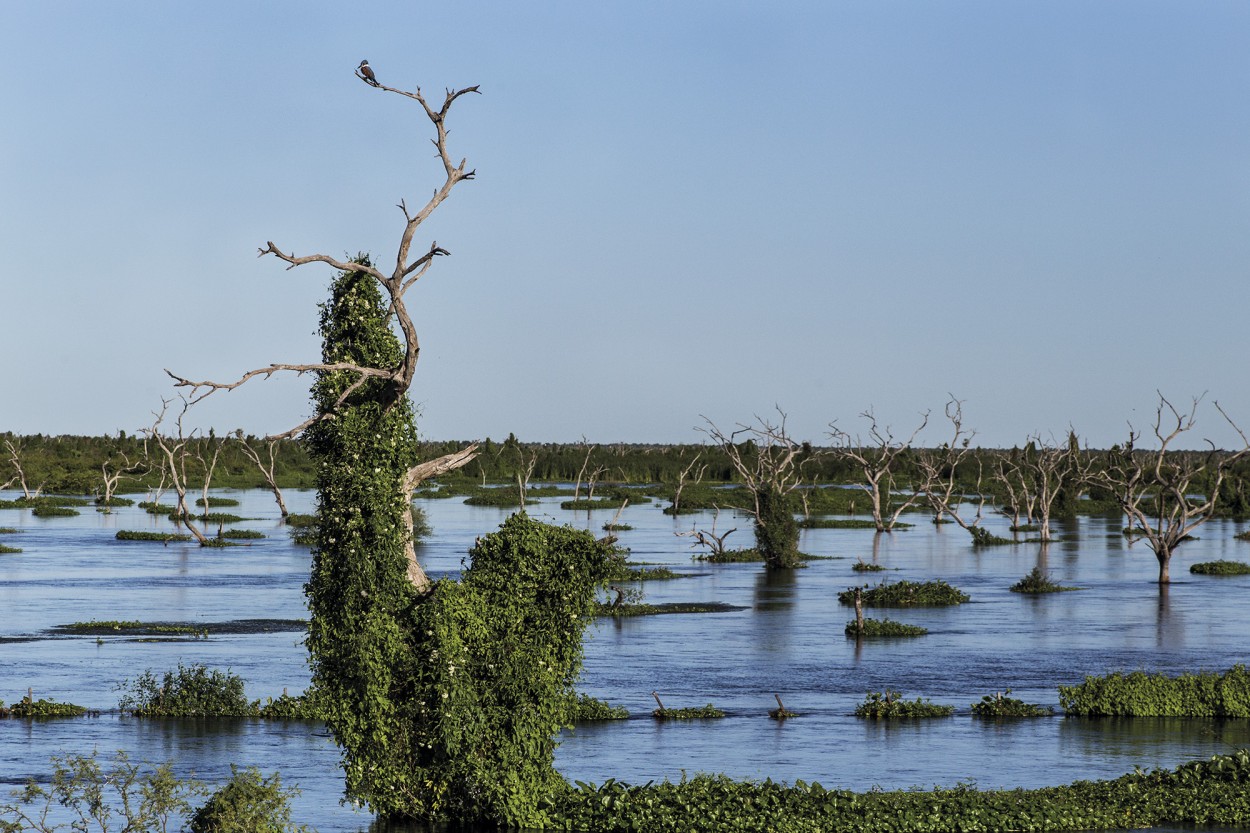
x: 266, y: 468
x: 770, y: 464
x: 174, y: 454
x: 708, y: 539
x: 15, y: 459
x: 939, y: 468
x: 1156, y: 488
x: 877, y: 460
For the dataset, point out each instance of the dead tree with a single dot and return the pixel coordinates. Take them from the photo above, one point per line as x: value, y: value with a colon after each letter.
x: 266, y: 467
x: 1035, y: 476
x: 770, y: 463
x: 409, y: 268
x: 174, y: 454
x: 708, y: 539
x: 1156, y: 488
x: 113, y: 474
x: 877, y: 459
x: 684, y: 479
x: 939, y: 471
x: 15, y: 460
x: 577, y: 487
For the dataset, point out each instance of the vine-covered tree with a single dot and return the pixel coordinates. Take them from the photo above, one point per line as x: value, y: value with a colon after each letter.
x: 445, y: 696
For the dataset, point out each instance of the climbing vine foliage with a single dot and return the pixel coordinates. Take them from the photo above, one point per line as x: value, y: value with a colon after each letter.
x: 445, y: 700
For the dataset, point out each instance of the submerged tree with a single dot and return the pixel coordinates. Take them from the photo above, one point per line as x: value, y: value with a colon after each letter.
x: 878, y: 460
x: 445, y: 696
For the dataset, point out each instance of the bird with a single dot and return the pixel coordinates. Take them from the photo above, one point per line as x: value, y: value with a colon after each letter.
x: 366, y: 72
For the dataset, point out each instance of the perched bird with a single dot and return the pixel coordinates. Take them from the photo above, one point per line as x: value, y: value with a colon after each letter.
x: 367, y: 73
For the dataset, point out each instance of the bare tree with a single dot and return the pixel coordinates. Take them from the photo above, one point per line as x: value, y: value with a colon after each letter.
x: 174, y: 453
x: 525, y: 470
x: 770, y: 463
x: 266, y: 466
x: 939, y: 470
x: 1155, y: 488
x: 409, y: 268
x: 577, y: 487
x: 112, y: 475
x: 707, y: 538
x: 15, y: 460
x: 1036, y: 475
x: 686, y: 478
x: 877, y: 459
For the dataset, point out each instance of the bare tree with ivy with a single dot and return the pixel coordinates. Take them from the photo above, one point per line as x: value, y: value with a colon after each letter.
x: 1156, y: 488
x: 770, y: 463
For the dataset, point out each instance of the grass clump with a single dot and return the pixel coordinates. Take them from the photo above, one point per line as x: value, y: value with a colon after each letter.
x: 997, y: 705
x: 154, y: 508
x: 865, y: 567
x: 242, y: 534
x: 984, y: 538
x: 883, y: 628
x: 306, y: 706
x: 587, y: 709
x: 7, y: 550
x: 1139, y: 694
x: 1220, y: 568
x: 217, y: 501
x: 116, y: 627
x: 611, y: 527
x: 41, y: 708
x: 138, y: 535
x: 887, y: 705
x: 1037, y: 582
x: 708, y: 712
x: 906, y: 594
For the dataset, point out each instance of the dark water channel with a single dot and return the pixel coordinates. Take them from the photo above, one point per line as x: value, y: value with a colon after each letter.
x: 786, y: 639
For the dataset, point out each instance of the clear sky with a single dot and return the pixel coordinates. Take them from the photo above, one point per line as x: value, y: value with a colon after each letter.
x: 682, y: 209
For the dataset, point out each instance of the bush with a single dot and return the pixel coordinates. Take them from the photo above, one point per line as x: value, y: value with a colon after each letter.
x: 1139, y: 694
x: 248, y: 803
x: 163, y: 537
x: 1221, y: 568
x: 865, y: 567
x: 586, y: 709
x: 708, y: 712
x: 54, y: 512
x: 906, y: 594
x: 193, y: 691
x: 883, y: 628
x: 887, y: 706
x: 1037, y: 582
x: 984, y: 538
x: 43, y: 708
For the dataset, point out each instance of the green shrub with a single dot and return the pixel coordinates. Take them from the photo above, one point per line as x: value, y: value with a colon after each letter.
x: 865, y: 567
x: 1140, y: 694
x: 306, y: 706
x: 586, y: 709
x: 708, y: 712
x: 44, y: 708
x: 842, y: 523
x: 999, y: 706
x: 1221, y: 568
x: 217, y: 501
x: 611, y: 527
x: 982, y: 537
x: 876, y: 628
x: 906, y: 594
x: 248, y: 803
x: 193, y: 691
x: 242, y: 534
x: 887, y: 706
x: 1037, y: 582
x: 5, y: 549
x: 157, y: 508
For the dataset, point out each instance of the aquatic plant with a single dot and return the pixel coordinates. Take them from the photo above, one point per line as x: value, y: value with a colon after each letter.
x: 906, y: 594
x: 248, y: 802
x: 1037, y: 582
x: 887, y: 705
x: 144, y: 535
x: 41, y: 708
x: 997, y: 705
x: 1140, y: 694
x: 587, y: 709
x: 883, y: 628
x: 1220, y: 568
x: 190, y: 691
x: 54, y: 512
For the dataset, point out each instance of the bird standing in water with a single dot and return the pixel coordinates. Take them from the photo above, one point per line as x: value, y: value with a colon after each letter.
x: 366, y: 72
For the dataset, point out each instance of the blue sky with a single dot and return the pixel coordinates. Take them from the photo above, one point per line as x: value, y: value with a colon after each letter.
x: 682, y: 209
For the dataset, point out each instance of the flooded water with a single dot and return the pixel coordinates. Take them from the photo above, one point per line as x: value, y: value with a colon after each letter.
x: 786, y: 639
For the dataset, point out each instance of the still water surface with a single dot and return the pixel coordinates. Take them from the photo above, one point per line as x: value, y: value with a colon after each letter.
x: 785, y: 639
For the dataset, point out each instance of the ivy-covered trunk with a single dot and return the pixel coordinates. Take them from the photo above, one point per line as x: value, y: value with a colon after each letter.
x: 776, y: 530
x: 445, y: 697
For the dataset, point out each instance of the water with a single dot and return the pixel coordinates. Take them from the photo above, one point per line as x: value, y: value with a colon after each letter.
x: 786, y: 639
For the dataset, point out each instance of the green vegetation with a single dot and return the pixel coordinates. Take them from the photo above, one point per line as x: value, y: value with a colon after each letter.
x: 999, y: 706
x: 157, y: 508
x: 249, y: 803
x: 907, y: 594
x: 611, y: 527
x: 1037, y: 582
x: 113, y: 501
x: 1213, y: 792
x: 1139, y: 694
x: 306, y: 706
x: 1220, y: 568
x: 776, y: 530
x: 242, y: 534
x: 879, y: 628
x: 7, y: 530
x: 26, y: 707
x: 209, y: 517
x: 216, y: 501
x: 585, y: 505
x: 865, y: 567
x: 887, y: 706
x: 116, y: 627
x: 5, y: 549
x: 163, y: 537
x: 627, y: 610
x: 54, y: 512
x: 844, y: 523
x: 191, y: 691
x: 586, y: 709
x: 154, y: 800
x: 982, y: 537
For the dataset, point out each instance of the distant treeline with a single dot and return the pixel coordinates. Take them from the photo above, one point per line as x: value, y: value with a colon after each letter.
x: 78, y: 465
